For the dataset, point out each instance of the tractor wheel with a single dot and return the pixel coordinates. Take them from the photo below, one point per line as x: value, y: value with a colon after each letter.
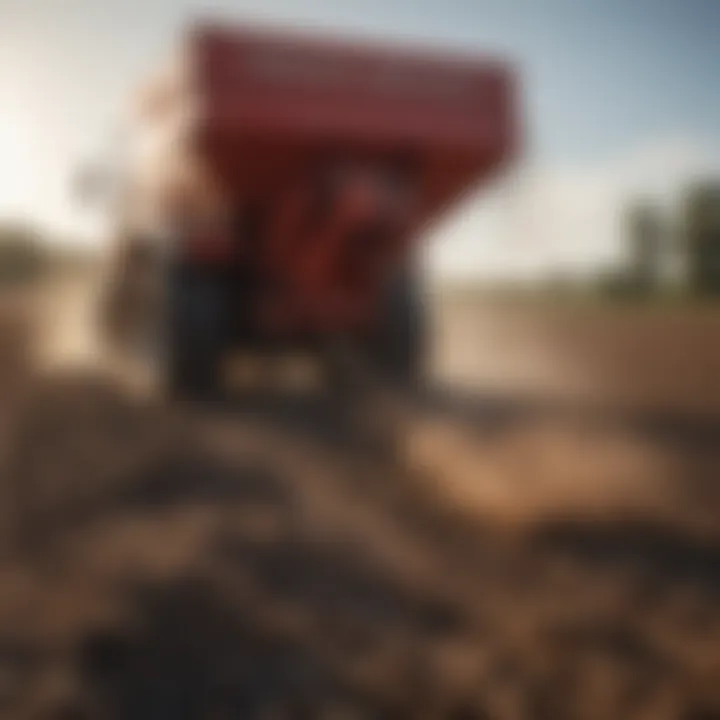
x: 398, y: 348
x: 195, y: 334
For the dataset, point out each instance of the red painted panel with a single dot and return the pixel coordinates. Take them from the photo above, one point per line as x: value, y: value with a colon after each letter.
x: 296, y: 92
x: 276, y: 112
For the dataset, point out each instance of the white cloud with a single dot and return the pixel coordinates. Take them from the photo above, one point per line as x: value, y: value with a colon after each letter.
x: 565, y: 218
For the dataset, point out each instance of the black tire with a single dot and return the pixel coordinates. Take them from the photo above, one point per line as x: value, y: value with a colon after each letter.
x: 195, y: 329
x: 398, y: 348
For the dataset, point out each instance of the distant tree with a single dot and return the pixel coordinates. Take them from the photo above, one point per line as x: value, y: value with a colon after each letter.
x: 615, y: 283
x: 646, y: 238
x: 700, y: 234
x: 21, y: 254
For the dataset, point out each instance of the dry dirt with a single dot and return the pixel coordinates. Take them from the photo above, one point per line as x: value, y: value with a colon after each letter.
x: 546, y: 546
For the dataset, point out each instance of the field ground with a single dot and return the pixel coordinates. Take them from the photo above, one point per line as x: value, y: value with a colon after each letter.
x: 542, y: 542
x: 656, y: 357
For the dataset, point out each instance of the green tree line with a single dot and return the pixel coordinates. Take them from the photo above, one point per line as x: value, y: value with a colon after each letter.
x: 658, y: 248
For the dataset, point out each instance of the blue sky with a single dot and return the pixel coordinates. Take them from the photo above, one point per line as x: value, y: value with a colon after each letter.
x: 604, y: 81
